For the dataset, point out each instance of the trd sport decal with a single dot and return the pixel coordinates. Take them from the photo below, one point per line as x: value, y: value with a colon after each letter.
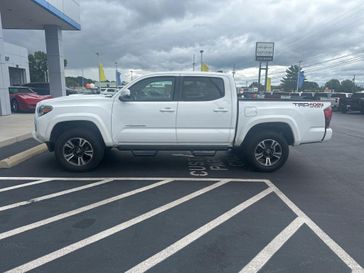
x: 309, y: 104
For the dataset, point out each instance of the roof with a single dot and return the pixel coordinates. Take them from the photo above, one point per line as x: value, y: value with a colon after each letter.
x: 36, y: 14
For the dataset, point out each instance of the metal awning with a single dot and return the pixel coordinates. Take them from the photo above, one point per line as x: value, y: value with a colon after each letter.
x: 35, y: 14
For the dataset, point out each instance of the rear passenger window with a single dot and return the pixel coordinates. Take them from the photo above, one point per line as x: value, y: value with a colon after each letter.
x: 202, y: 89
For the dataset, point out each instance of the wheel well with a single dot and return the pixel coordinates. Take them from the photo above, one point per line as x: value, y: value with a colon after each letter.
x: 279, y: 127
x: 59, y: 128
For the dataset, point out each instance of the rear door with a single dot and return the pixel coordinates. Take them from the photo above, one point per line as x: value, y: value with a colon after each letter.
x: 204, y: 115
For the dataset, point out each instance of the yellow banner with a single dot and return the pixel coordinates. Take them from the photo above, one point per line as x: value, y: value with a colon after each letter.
x: 269, y: 84
x: 204, y: 68
x: 101, y: 73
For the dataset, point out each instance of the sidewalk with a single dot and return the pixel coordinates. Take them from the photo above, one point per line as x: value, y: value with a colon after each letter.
x: 15, y: 127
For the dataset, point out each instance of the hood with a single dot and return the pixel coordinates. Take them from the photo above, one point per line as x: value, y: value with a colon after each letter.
x: 77, y: 99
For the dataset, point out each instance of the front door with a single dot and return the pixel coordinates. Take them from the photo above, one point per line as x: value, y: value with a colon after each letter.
x: 150, y: 117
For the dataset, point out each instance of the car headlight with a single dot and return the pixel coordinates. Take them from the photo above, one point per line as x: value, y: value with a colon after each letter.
x: 44, y: 109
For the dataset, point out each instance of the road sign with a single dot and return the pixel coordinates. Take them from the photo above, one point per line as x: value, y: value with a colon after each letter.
x: 264, y: 51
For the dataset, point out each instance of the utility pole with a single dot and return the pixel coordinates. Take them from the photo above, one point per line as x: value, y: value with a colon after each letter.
x: 298, y: 74
x: 201, y: 52
x: 131, y: 75
x: 234, y: 71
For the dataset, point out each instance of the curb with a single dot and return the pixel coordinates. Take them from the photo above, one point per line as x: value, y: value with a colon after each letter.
x: 15, y: 139
x: 20, y: 157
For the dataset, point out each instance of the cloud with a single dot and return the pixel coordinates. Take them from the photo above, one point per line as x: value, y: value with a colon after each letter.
x: 159, y: 35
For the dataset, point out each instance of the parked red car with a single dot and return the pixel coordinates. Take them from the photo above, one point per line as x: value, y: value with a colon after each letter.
x: 24, y: 99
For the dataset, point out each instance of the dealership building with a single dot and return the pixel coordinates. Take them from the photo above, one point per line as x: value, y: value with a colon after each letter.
x: 52, y: 16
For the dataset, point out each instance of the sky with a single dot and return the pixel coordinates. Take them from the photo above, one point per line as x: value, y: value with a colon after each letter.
x: 163, y: 35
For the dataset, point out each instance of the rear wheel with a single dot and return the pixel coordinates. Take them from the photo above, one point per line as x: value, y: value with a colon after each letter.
x: 14, y: 106
x: 267, y: 151
x: 79, y: 150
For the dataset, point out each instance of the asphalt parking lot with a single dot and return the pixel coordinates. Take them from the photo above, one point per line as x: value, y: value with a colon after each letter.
x: 177, y: 213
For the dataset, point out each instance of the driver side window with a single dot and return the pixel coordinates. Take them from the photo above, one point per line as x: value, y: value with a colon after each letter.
x: 153, y: 89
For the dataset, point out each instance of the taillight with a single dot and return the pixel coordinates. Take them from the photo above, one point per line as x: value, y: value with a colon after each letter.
x: 328, y: 116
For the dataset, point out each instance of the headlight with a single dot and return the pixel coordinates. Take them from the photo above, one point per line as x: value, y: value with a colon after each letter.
x: 44, y: 109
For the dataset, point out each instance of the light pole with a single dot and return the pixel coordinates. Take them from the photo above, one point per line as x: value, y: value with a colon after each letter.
x: 298, y: 74
x: 98, y: 68
x: 201, y: 52
x: 116, y: 74
x: 131, y: 75
x: 193, y: 62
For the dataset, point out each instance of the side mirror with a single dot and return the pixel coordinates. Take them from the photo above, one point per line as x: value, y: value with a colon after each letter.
x: 125, y: 95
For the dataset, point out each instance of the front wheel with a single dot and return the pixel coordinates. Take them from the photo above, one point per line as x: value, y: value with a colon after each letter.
x: 79, y: 150
x: 267, y: 151
x: 14, y: 106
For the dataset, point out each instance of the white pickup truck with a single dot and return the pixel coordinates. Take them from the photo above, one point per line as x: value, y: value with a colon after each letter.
x: 194, y: 111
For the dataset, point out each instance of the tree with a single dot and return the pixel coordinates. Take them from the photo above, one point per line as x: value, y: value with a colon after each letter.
x: 77, y: 81
x: 333, y: 84
x: 38, y: 66
x: 311, y: 86
x: 257, y: 85
x: 289, y: 82
x: 348, y: 86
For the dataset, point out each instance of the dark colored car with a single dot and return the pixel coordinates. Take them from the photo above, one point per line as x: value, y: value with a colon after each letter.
x: 354, y: 103
x: 24, y: 99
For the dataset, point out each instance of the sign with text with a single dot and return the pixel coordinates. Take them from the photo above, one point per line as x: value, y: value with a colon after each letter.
x: 264, y: 51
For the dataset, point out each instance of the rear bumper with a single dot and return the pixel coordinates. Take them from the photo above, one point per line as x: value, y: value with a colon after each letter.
x: 328, y: 135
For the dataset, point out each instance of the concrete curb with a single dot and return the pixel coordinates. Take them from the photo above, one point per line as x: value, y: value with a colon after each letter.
x: 15, y: 139
x: 20, y: 157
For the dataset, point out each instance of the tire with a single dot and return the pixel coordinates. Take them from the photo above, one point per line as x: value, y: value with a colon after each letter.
x: 79, y: 149
x: 14, y: 106
x: 267, y: 151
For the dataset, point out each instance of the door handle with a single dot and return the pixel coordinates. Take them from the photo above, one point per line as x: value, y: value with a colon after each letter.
x: 221, y: 110
x: 167, y: 110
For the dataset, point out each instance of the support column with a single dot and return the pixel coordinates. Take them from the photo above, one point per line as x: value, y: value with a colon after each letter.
x: 4, y: 78
x: 55, y: 58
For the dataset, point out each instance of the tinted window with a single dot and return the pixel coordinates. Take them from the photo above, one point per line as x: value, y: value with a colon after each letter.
x: 202, y: 88
x: 153, y: 89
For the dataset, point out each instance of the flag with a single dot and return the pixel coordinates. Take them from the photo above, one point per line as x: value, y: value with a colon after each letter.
x: 118, y: 78
x: 204, y: 68
x: 269, y: 84
x: 301, y: 79
x: 102, y: 73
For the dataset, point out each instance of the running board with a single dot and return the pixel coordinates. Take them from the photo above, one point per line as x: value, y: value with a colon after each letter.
x: 144, y: 153
x: 203, y: 153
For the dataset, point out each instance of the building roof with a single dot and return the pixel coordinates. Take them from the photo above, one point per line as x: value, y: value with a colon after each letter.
x: 35, y: 14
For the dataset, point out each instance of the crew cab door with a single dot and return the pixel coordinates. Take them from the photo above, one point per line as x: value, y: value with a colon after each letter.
x: 204, y: 114
x: 150, y: 115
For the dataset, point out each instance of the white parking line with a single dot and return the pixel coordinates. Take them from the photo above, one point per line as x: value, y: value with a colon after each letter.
x: 25, y: 185
x: 263, y: 256
x: 53, y: 195
x: 193, y: 236
x: 108, y: 232
x: 70, y: 213
x: 267, y: 252
x: 338, y: 250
